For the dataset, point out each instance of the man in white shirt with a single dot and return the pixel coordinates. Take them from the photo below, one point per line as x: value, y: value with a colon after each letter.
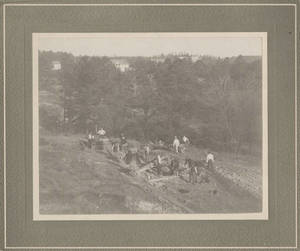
x: 90, y: 140
x: 210, y: 160
x: 185, y: 140
x: 101, y: 132
x: 176, y: 144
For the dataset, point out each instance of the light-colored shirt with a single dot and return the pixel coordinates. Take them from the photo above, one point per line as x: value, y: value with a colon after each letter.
x: 147, y: 149
x: 185, y: 139
x: 159, y: 159
x: 101, y: 132
x: 209, y: 156
x: 176, y: 142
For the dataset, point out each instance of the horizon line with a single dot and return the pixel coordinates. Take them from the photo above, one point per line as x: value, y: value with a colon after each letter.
x: 150, y: 56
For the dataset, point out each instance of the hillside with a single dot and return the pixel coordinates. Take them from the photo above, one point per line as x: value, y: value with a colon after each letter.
x: 76, y: 181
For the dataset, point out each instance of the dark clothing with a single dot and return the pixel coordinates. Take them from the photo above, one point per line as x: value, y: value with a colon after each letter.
x: 123, y: 140
x: 193, y: 174
x: 192, y: 170
x: 193, y: 178
x: 140, y: 158
x: 158, y: 169
x: 128, y: 157
x: 89, y: 144
x: 115, y: 147
x: 174, y: 166
x: 210, y: 164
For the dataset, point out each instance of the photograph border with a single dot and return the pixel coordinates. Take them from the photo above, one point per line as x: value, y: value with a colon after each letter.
x: 4, y: 129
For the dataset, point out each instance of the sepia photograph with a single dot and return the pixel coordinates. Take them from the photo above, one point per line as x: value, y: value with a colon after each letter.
x: 149, y: 125
x: 145, y: 126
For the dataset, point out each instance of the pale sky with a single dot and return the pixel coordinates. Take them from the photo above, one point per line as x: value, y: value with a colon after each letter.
x: 150, y: 46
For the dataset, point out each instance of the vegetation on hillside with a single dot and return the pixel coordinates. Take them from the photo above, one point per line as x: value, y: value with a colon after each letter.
x: 216, y: 102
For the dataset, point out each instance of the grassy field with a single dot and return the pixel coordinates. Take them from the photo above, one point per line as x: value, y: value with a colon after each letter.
x: 75, y: 181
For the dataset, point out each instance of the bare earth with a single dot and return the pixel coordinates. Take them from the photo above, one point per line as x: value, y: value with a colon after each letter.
x: 74, y: 181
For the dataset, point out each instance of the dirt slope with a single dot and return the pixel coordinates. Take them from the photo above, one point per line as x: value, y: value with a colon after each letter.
x: 73, y: 181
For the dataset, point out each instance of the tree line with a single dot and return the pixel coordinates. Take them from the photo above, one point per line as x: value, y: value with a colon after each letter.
x: 215, y: 101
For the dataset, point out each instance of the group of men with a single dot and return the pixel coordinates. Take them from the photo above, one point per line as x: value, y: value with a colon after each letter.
x: 177, y: 144
x: 96, y: 138
x: 118, y: 146
x: 192, y: 166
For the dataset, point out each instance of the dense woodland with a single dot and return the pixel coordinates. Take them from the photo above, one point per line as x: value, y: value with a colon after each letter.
x: 216, y: 102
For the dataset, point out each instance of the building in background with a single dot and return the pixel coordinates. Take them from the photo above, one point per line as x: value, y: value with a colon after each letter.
x: 121, y: 64
x: 158, y: 59
x: 56, y: 65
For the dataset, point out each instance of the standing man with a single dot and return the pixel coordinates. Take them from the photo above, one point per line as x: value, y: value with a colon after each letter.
x: 147, y: 152
x: 175, y: 166
x: 192, y: 171
x: 128, y: 157
x: 90, y: 140
x: 123, y: 141
x: 185, y: 140
x: 115, y: 147
x: 176, y: 144
x: 210, y: 160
